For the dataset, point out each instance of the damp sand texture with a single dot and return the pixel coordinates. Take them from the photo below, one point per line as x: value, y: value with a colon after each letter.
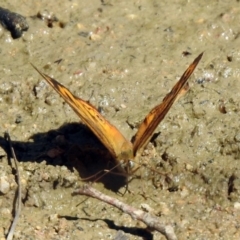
x: 124, y: 58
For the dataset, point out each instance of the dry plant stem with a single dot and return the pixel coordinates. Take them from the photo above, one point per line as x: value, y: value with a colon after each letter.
x: 17, y: 208
x: 150, y: 220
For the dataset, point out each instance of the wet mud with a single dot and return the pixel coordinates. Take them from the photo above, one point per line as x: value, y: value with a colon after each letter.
x: 123, y: 57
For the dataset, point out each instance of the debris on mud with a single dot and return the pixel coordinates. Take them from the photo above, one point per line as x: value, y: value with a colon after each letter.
x: 13, y: 22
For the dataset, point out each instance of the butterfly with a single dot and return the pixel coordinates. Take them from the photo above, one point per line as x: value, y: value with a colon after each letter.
x: 122, y: 150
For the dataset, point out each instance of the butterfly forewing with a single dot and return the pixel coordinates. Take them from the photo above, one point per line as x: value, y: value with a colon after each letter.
x: 157, y: 114
x: 112, y: 139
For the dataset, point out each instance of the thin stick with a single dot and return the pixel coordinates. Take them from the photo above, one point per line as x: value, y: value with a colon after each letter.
x: 150, y: 220
x: 17, y: 208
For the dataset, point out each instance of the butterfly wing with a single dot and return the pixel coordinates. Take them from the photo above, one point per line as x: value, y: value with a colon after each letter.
x: 157, y: 114
x: 111, y: 138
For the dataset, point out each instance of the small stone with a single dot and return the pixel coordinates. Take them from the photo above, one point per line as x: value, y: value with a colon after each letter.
x: 4, y: 185
x: 146, y: 208
x: 164, y: 210
x: 94, y: 37
x: 5, y: 212
x: 120, y: 236
x: 69, y: 181
x: 53, y: 218
x: 38, y: 228
x: 2, y: 152
x: 237, y: 137
x: 237, y: 205
x: 189, y: 167
x: 184, y: 192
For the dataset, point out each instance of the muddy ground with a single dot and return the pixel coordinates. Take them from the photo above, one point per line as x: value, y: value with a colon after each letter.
x: 122, y: 57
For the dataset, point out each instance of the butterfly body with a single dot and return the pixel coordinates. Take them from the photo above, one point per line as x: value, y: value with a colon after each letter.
x: 122, y: 150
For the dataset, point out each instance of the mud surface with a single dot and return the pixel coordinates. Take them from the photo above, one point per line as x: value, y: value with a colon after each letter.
x: 123, y: 57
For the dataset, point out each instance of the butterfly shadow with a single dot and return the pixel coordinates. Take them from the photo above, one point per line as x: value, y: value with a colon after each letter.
x: 74, y: 146
x: 143, y: 233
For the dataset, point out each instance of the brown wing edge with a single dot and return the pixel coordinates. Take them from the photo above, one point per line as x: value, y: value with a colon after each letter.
x: 152, y: 120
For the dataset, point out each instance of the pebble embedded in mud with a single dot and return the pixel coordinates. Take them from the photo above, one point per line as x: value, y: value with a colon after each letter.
x: 33, y: 199
x: 2, y: 152
x: 237, y: 205
x: 184, y: 192
x: 4, y: 185
x: 53, y: 218
x: 69, y: 181
x: 163, y: 208
x: 5, y: 212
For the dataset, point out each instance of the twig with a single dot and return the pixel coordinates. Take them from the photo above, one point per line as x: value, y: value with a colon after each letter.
x: 150, y: 220
x: 17, y: 208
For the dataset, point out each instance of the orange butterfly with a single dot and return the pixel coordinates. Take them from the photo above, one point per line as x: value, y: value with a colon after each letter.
x: 122, y: 150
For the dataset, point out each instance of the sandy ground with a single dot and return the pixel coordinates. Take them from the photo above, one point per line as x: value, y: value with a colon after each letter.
x: 122, y: 57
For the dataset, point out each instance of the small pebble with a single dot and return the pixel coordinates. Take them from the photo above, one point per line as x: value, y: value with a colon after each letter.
x: 146, y: 208
x: 237, y: 205
x: 4, y: 185
x: 237, y: 137
x: 189, y: 167
x: 123, y: 106
x: 184, y: 192
x: 2, y: 152
x: 5, y: 212
x: 164, y: 208
x: 53, y: 218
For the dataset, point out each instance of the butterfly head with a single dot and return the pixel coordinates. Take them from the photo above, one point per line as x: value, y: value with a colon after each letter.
x: 130, y: 167
x: 124, y: 158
